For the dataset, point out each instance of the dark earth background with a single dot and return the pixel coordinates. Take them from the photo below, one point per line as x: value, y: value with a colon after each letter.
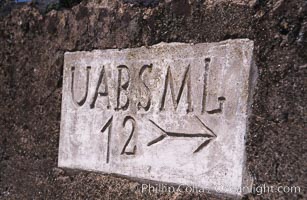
x: 32, y: 45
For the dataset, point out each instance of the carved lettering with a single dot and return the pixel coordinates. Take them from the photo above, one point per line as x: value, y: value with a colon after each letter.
x: 220, y: 99
x: 105, y: 93
x: 207, y: 62
x: 147, y: 106
x: 84, y: 97
x: 122, y: 86
x: 220, y: 108
x: 108, y: 126
x: 169, y: 81
x: 124, y: 151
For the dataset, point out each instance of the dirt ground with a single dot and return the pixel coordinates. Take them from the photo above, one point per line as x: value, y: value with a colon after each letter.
x: 32, y: 45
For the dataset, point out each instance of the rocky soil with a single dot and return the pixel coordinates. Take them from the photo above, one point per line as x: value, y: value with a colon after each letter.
x: 32, y: 45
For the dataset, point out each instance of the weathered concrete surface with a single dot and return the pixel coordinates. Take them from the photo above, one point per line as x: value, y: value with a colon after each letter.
x: 174, y: 112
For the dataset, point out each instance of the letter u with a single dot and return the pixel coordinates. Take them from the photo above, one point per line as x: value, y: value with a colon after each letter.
x: 84, y: 97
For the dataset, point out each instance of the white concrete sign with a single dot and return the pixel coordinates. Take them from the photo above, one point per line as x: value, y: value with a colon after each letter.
x: 173, y: 113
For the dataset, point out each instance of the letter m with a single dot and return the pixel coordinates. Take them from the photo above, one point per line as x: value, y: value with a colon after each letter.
x: 169, y: 83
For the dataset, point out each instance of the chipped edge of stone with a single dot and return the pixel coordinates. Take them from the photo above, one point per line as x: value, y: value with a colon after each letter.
x: 247, y: 179
x: 245, y: 41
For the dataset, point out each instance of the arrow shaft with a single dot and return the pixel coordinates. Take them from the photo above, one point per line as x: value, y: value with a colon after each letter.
x: 175, y: 134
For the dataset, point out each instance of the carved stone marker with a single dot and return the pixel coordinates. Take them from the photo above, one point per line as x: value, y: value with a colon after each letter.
x: 173, y: 113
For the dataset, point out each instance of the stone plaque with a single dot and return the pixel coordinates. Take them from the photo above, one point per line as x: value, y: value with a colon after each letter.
x: 173, y: 113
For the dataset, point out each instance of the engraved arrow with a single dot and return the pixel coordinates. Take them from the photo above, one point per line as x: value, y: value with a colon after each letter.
x: 210, y: 136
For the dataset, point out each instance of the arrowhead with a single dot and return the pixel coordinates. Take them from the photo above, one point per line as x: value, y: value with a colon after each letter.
x: 204, y: 144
